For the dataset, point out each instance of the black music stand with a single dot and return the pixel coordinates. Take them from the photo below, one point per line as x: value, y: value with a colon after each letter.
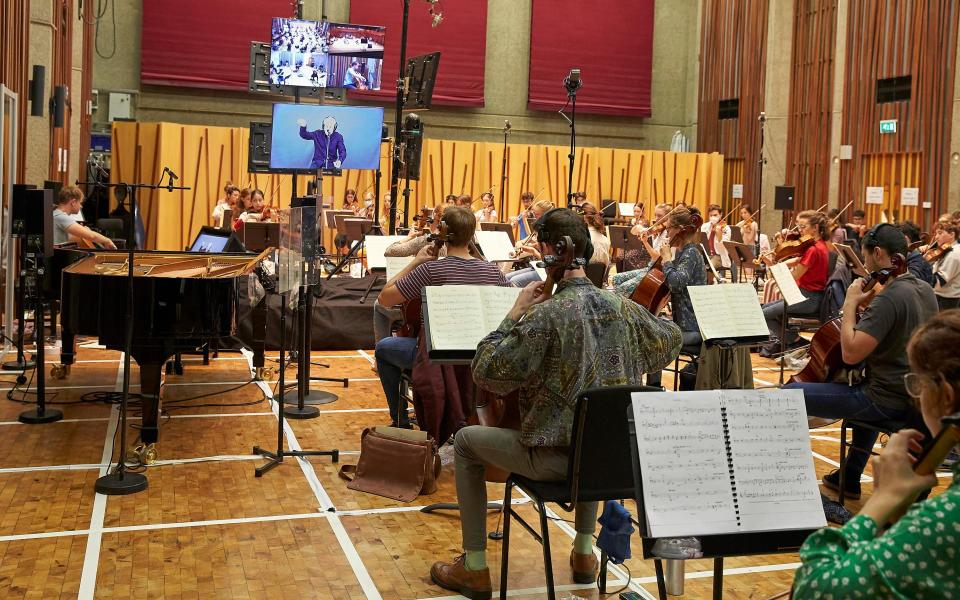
x: 620, y: 239
x: 354, y: 230
x: 257, y: 237
x: 504, y: 227
x: 715, y: 546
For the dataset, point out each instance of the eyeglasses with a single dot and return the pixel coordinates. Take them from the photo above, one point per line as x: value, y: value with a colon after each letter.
x: 915, y: 383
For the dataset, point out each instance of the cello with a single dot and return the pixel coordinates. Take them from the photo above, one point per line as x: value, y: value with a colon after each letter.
x: 652, y: 292
x: 826, y: 355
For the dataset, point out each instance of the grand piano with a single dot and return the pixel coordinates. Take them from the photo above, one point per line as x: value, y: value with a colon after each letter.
x: 181, y: 301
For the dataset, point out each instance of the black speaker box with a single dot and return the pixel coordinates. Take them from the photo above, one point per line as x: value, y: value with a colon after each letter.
x: 59, y: 105
x: 783, y: 197
x: 36, y: 90
x: 32, y: 215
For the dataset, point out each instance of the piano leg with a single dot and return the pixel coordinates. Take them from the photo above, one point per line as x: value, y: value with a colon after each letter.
x: 68, y: 348
x: 151, y: 381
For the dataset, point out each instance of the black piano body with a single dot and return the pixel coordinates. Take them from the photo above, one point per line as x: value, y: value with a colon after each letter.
x: 181, y: 301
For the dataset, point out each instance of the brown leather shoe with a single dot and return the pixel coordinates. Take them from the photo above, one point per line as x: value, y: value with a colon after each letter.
x: 585, y: 567
x: 456, y: 577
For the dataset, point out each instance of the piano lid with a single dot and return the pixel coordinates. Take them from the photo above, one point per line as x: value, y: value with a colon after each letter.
x: 170, y: 265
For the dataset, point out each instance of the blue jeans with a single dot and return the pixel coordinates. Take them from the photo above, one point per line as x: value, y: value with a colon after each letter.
x: 395, y: 355
x: 840, y: 401
x: 773, y: 313
x: 523, y: 277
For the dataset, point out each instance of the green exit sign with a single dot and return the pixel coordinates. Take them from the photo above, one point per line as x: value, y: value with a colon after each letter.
x: 888, y: 126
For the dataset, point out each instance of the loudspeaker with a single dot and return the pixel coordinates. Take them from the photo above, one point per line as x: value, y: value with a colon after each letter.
x: 36, y: 90
x: 59, y: 107
x: 32, y: 214
x: 258, y: 152
x: 783, y: 197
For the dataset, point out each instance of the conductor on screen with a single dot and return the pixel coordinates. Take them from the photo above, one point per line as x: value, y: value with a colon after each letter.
x: 329, y: 151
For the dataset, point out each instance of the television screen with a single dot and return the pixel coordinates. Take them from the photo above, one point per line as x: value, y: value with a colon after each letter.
x: 322, y: 54
x: 307, y: 137
x: 210, y: 240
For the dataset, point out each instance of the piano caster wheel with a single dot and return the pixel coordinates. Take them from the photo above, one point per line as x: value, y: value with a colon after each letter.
x: 59, y: 371
x: 265, y: 373
x: 142, y: 454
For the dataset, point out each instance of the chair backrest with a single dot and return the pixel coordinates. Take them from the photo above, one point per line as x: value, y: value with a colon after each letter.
x: 600, y: 463
x: 112, y: 228
x: 596, y: 272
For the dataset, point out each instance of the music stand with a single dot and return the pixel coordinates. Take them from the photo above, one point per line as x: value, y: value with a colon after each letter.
x: 621, y: 240
x: 227, y: 222
x: 740, y: 255
x: 853, y: 261
x: 257, y: 237
x: 353, y: 230
x: 505, y: 227
x: 736, y: 234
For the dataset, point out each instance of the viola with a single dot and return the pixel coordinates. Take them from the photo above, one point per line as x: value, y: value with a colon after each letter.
x: 412, y: 309
x: 652, y: 292
x: 826, y: 354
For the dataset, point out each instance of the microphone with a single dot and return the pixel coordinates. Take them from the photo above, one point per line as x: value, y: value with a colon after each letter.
x: 506, y: 126
x: 572, y: 81
x: 436, y: 13
x: 173, y: 176
x: 763, y: 117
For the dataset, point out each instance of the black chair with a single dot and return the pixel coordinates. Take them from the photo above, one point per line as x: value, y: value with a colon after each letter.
x: 597, y: 273
x: 600, y: 468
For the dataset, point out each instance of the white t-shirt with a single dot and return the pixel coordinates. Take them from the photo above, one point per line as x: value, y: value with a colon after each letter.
x: 718, y: 246
x: 948, y: 268
x: 601, y: 247
x: 482, y: 219
x: 61, y: 222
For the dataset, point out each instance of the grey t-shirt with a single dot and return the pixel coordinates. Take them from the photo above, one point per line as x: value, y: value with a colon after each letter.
x: 61, y: 222
x: 892, y: 316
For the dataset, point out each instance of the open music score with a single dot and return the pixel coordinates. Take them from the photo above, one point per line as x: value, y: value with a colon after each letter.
x: 459, y: 316
x: 730, y: 311
x: 395, y: 264
x: 788, y: 285
x: 376, y: 245
x: 496, y: 245
x: 707, y: 470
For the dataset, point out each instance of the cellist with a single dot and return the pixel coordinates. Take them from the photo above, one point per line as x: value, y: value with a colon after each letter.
x: 879, y: 338
x: 810, y: 271
x: 459, y: 267
x: 550, y: 349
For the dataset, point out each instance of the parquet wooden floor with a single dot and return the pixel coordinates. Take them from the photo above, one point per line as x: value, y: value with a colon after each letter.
x: 208, y: 528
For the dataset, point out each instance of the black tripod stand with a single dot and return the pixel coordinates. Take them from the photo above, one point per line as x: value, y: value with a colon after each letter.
x: 572, y: 83
x: 32, y: 290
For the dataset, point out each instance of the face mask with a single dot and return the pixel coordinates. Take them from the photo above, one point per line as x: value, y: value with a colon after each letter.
x: 715, y: 219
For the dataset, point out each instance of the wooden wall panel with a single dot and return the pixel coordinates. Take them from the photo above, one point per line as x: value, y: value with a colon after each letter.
x: 207, y: 157
x: 892, y: 38
x: 62, y: 74
x: 733, y: 48
x: 811, y: 94
x: 15, y: 64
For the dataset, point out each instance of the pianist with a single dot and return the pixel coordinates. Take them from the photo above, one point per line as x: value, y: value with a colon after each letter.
x: 66, y: 228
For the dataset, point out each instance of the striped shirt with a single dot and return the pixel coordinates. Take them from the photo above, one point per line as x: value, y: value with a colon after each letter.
x: 451, y: 270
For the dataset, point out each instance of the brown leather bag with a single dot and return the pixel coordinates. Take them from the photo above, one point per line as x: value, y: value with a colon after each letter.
x: 394, y: 465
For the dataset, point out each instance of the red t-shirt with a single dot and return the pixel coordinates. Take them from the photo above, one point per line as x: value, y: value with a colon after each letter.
x: 816, y: 259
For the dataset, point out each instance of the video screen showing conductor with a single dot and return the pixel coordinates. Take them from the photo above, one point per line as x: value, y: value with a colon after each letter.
x: 307, y: 137
x: 321, y: 54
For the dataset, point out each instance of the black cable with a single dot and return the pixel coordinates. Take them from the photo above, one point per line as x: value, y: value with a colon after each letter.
x: 102, y: 11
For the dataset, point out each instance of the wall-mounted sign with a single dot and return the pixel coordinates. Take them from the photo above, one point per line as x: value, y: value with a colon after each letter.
x: 909, y: 196
x: 736, y: 190
x: 874, y: 195
x: 888, y: 126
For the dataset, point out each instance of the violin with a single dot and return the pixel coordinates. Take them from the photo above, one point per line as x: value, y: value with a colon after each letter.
x: 412, y: 309
x: 652, y: 292
x: 424, y: 220
x: 826, y: 354
x: 789, y: 248
x: 936, y: 253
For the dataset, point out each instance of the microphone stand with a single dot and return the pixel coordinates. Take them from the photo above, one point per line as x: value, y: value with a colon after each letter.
x: 397, y: 125
x: 760, y: 162
x: 503, y: 169
x: 572, y: 87
x: 121, y: 482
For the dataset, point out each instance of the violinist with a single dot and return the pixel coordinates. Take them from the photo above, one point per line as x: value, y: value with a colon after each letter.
x: 916, y: 264
x: 487, y: 213
x: 255, y: 208
x: 598, y: 233
x: 550, y: 350
x: 529, y: 247
x: 749, y: 228
x: 718, y: 232
x: 396, y: 354
x: 464, y: 200
x: 450, y: 199
x: 856, y: 228
x: 526, y: 200
x: 946, y: 267
x: 385, y: 212
x: 914, y: 557
x: 682, y: 268
x: 627, y: 281
x: 231, y: 194
x: 810, y: 272
x: 879, y: 338
x: 351, y: 203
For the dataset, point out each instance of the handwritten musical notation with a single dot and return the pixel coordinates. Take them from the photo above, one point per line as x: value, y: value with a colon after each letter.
x: 725, y: 461
x: 459, y: 316
x: 729, y: 311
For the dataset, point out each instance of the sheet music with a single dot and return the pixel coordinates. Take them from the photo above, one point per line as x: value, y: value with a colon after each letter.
x: 787, y: 284
x: 540, y: 271
x: 496, y: 245
x: 729, y: 311
x: 777, y: 488
x: 462, y: 315
x: 626, y: 209
x: 376, y: 245
x: 395, y: 264
x: 683, y: 464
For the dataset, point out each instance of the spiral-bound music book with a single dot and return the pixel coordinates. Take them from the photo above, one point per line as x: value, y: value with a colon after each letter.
x: 725, y: 461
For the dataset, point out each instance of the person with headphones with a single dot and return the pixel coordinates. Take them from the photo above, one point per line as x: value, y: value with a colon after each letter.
x: 549, y: 349
x: 879, y: 339
x: 329, y: 151
x: 396, y: 354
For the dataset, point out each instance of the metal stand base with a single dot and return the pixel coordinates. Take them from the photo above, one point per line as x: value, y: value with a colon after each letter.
x: 274, y: 458
x: 16, y: 365
x: 307, y: 412
x: 38, y: 417
x: 121, y: 484
x: 311, y: 397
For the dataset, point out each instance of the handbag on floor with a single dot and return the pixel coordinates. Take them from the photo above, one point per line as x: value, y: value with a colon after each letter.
x: 395, y: 463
